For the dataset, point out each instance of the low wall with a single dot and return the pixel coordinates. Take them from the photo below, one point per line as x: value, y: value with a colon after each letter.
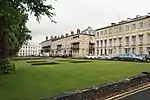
x: 99, y: 92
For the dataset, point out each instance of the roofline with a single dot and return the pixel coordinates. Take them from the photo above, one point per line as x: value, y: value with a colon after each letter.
x: 71, y: 35
x: 45, y: 41
x: 132, y: 20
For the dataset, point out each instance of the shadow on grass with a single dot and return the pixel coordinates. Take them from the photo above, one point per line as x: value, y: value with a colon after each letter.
x: 65, y: 60
x: 48, y: 63
x: 80, y: 61
x: 38, y: 61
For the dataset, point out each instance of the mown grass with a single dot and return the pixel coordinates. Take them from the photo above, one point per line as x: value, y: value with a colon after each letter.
x: 31, y: 82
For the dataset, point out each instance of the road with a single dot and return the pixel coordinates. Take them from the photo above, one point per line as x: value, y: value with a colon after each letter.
x: 143, y: 95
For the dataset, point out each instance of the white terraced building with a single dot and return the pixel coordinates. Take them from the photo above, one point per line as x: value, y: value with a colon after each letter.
x: 30, y: 49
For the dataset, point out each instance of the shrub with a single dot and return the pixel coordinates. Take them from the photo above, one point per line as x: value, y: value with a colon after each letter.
x: 6, y: 66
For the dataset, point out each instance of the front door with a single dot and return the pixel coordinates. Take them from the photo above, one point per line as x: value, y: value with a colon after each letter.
x: 127, y: 50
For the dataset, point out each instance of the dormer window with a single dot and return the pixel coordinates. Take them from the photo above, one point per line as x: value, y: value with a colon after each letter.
x: 101, y: 32
x: 97, y: 33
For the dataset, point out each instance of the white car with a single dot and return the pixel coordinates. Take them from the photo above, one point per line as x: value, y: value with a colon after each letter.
x: 105, y: 57
x: 108, y: 57
x: 91, y: 57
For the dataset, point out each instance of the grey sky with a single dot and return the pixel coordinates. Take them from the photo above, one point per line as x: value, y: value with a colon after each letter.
x: 73, y: 14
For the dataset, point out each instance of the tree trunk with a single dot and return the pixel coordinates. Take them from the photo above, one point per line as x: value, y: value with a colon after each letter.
x: 4, y: 45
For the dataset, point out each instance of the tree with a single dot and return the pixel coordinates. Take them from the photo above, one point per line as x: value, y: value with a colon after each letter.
x: 13, y: 30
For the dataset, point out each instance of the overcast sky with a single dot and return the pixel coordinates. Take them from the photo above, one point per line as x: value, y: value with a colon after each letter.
x: 74, y: 14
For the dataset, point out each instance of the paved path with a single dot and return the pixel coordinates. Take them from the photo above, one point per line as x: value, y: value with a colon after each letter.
x: 143, y: 95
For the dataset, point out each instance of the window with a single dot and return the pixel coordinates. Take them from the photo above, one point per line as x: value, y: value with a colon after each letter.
x: 105, y: 51
x: 141, y: 24
x: 141, y: 50
x: 110, y: 51
x: 110, y: 42
x: 97, y: 52
x: 148, y: 38
x: 127, y: 40
x: 133, y: 40
x: 101, y: 43
x: 101, y: 32
x: 133, y: 26
x: 97, y: 33
x: 127, y: 28
x: 105, y: 32
x: 115, y: 42
x: 120, y: 50
x: 105, y: 42
x: 149, y: 23
x: 120, y: 29
x: 141, y: 38
x: 133, y: 50
x: 115, y: 51
x: 120, y: 41
x: 116, y: 30
x: 110, y: 31
x: 97, y: 43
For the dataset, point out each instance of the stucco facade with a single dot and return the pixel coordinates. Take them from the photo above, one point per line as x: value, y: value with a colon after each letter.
x: 30, y: 49
x: 77, y: 44
x: 130, y: 36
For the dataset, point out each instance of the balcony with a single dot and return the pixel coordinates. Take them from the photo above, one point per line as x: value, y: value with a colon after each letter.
x: 120, y: 45
x: 127, y: 44
x: 101, y: 46
x: 105, y: 45
x: 115, y: 45
x: 134, y: 43
x: 75, y: 47
x: 141, y: 43
x: 91, y: 47
x: 148, y: 42
x: 58, y: 49
x: 110, y: 45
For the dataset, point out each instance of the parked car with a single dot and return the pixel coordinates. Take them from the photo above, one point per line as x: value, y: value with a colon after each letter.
x: 104, y: 57
x: 108, y: 57
x: 118, y: 57
x: 91, y: 57
x: 64, y: 56
x: 129, y: 57
x: 145, y: 57
x: 101, y: 57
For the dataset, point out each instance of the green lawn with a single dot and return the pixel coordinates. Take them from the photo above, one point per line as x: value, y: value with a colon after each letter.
x: 34, y: 82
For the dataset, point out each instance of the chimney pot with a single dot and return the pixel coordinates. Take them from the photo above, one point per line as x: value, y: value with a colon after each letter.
x: 72, y: 32
x: 78, y: 31
x: 46, y: 38
x: 66, y: 34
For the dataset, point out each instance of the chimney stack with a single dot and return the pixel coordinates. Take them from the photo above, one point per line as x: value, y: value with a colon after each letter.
x: 138, y: 16
x: 66, y: 34
x: 62, y: 36
x: 51, y: 37
x: 55, y: 37
x: 113, y: 24
x: 46, y: 38
x: 72, y: 33
x: 78, y: 31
